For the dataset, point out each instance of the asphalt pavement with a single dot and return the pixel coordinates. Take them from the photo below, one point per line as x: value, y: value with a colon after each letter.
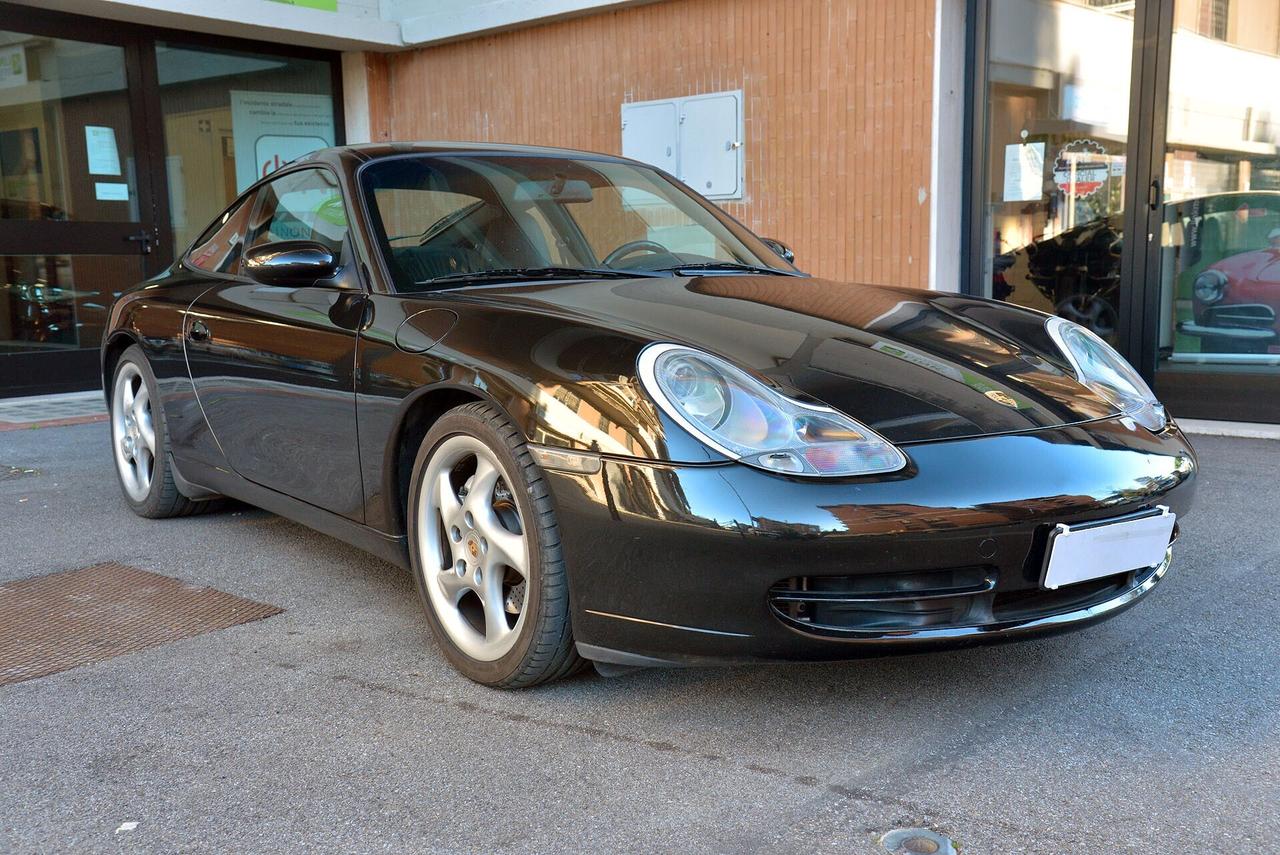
x: 336, y: 726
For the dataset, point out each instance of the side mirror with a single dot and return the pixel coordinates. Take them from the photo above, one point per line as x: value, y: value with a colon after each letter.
x: 298, y: 263
x: 785, y: 252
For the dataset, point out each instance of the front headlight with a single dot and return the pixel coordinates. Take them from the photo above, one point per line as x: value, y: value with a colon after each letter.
x: 1098, y: 366
x: 1210, y: 286
x: 742, y: 418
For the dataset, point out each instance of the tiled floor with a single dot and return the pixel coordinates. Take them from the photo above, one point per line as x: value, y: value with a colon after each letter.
x: 52, y: 410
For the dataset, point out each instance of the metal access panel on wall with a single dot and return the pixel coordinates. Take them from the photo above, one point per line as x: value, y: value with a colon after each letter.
x: 699, y: 139
x: 711, y: 144
x: 650, y: 133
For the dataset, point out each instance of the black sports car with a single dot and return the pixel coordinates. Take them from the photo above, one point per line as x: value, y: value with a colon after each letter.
x: 601, y: 420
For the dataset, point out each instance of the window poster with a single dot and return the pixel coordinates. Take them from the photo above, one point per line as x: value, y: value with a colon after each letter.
x: 272, y: 128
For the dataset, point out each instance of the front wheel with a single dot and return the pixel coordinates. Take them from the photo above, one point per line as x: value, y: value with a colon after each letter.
x: 140, y: 442
x: 486, y: 552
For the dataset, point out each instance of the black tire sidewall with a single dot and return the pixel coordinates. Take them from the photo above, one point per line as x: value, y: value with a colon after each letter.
x: 461, y: 422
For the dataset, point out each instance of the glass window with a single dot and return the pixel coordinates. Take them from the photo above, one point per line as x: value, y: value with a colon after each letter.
x: 60, y: 302
x: 1219, y: 337
x: 444, y: 215
x: 66, y: 149
x: 218, y: 249
x: 1057, y: 131
x: 617, y: 214
x: 303, y: 205
x: 232, y: 117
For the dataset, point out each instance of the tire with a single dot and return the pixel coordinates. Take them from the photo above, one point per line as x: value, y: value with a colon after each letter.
x: 134, y: 439
x: 466, y: 552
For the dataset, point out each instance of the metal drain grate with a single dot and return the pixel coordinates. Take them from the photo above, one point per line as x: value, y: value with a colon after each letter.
x: 56, y: 622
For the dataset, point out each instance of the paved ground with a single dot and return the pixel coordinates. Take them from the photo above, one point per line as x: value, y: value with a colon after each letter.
x: 336, y: 724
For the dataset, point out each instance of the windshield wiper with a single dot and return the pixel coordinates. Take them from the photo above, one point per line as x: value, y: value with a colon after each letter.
x: 540, y: 273
x: 729, y: 266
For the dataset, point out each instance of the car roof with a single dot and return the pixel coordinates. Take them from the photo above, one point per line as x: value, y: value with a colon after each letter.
x: 375, y: 150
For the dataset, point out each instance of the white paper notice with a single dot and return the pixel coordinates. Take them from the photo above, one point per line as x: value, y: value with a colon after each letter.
x: 1023, y: 172
x: 109, y: 191
x: 13, y: 66
x: 104, y: 157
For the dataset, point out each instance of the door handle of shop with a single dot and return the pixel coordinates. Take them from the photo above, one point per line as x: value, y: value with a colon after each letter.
x: 198, y: 332
x: 144, y: 238
x: 1153, y: 195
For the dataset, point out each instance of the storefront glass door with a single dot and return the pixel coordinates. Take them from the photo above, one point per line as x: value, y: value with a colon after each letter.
x: 75, y: 213
x: 118, y: 144
x: 1056, y: 143
x: 1218, y: 339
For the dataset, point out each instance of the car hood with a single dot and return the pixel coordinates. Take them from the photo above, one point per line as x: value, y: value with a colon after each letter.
x: 913, y: 365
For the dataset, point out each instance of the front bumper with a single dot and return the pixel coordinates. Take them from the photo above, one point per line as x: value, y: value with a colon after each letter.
x: 1247, y: 334
x: 1243, y: 322
x: 675, y: 564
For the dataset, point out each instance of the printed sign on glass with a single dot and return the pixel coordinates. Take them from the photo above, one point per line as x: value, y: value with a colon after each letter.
x: 273, y: 128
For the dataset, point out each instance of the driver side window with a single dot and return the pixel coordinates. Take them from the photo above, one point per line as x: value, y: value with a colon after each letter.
x: 302, y: 205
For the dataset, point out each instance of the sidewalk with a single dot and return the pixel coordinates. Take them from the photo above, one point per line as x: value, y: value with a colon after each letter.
x: 40, y: 411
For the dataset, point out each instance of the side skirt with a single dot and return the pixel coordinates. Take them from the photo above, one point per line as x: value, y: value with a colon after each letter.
x: 205, y: 482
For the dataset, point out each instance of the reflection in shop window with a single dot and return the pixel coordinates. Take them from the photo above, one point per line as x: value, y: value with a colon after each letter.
x: 59, y: 302
x: 1220, y: 241
x: 1058, y: 129
x: 65, y: 147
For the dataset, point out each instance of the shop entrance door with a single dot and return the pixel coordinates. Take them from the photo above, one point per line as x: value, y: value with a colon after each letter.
x: 1212, y: 275
x: 1057, y: 134
x: 77, y: 220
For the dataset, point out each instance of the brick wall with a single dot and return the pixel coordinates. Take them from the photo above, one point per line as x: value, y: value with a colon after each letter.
x: 838, y: 108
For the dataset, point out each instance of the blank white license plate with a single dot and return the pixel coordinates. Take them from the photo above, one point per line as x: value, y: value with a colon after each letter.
x: 1093, y: 550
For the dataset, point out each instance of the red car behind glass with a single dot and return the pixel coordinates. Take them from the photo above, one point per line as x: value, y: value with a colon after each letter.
x: 1236, y: 302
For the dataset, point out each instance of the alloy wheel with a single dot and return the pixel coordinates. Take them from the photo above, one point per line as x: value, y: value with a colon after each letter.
x: 1091, y: 312
x: 475, y: 554
x: 133, y: 432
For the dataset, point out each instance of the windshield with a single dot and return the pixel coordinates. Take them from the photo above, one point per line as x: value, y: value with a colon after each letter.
x: 445, y: 220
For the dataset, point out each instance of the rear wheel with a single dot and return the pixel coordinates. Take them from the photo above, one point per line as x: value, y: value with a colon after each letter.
x: 140, y: 442
x: 486, y: 552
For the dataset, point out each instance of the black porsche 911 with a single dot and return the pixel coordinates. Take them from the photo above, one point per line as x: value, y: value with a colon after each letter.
x: 600, y: 420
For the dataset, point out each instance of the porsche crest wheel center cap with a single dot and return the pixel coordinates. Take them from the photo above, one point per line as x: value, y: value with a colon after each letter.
x: 473, y: 547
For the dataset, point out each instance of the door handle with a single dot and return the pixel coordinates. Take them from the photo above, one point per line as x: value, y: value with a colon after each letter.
x: 1153, y: 195
x: 198, y: 332
x: 143, y: 237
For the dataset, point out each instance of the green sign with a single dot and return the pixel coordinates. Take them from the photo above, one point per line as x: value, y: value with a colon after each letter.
x: 323, y: 5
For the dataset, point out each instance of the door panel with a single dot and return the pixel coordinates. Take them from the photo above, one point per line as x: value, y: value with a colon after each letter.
x: 274, y: 375
x: 273, y: 366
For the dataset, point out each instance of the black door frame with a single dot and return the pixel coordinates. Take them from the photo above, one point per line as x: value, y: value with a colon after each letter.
x: 77, y: 368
